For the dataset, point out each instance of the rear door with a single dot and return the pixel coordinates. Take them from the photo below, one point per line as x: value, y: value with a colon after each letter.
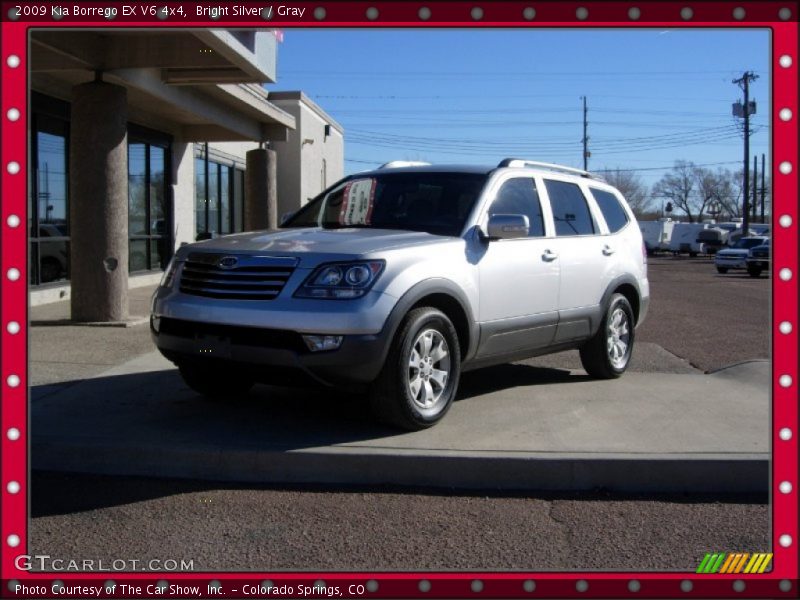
x: 585, y: 257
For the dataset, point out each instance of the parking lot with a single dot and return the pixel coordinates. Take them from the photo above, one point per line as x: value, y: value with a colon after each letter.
x: 709, y: 319
x: 690, y: 329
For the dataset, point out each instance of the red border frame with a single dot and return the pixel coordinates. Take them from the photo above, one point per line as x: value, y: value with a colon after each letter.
x: 13, y: 254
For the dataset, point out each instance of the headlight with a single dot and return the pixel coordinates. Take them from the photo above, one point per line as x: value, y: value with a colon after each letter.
x: 169, y: 273
x: 341, y: 280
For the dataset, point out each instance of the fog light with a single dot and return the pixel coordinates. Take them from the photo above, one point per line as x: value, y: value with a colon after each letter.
x: 319, y: 343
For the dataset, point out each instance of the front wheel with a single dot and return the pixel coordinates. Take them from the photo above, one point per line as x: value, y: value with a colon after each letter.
x: 754, y: 271
x: 608, y: 353
x: 213, y: 383
x: 722, y: 270
x: 418, y: 382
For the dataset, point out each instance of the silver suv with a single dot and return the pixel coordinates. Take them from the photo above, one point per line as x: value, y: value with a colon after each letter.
x: 396, y: 280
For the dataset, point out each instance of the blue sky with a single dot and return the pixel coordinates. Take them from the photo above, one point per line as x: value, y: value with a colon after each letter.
x: 476, y: 96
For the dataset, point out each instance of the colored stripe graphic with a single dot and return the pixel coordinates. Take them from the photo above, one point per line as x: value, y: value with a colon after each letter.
x: 752, y: 566
x: 701, y: 567
x: 734, y: 562
x: 718, y: 564
x: 766, y: 562
x: 741, y: 562
x: 728, y: 562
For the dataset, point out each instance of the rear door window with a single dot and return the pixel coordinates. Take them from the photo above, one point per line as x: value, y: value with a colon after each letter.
x: 570, y: 210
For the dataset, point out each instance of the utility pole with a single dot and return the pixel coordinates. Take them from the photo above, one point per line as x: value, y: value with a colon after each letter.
x: 755, y: 187
x: 744, y: 83
x: 763, y: 186
x: 586, y: 153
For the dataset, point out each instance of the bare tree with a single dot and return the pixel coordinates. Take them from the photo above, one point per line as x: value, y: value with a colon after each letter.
x: 678, y: 186
x: 713, y: 187
x: 631, y: 186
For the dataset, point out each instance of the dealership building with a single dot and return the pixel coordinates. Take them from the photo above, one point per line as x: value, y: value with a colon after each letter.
x: 143, y: 140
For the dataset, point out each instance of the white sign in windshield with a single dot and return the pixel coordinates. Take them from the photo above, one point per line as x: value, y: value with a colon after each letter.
x: 359, y: 196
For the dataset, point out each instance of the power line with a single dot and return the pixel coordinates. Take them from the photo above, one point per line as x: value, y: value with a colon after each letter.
x: 606, y: 170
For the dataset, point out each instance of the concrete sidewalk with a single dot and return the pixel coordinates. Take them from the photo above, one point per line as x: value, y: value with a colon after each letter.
x: 513, y: 427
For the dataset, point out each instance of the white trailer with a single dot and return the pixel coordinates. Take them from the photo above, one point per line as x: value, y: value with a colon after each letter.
x: 657, y: 234
x: 684, y: 238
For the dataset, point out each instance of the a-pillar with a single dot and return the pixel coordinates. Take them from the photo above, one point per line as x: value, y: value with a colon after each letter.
x: 260, y: 191
x: 98, y: 195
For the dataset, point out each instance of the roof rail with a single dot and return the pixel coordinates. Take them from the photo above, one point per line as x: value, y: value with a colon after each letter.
x: 394, y: 164
x: 521, y: 162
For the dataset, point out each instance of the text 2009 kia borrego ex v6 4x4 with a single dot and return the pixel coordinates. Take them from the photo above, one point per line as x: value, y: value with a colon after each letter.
x: 399, y: 279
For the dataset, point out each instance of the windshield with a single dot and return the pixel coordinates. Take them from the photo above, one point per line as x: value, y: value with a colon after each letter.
x: 749, y: 243
x: 437, y: 203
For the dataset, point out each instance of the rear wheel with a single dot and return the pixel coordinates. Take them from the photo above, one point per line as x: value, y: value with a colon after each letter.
x: 722, y: 270
x: 418, y: 382
x: 213, y: 383
x: 608, y: 353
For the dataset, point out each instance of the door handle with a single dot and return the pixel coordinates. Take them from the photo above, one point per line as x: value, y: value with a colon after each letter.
x: 608, y: 250
x: 549, y: 256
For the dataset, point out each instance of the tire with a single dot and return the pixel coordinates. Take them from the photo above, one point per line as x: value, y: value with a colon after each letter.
x: 754, y: 271
x: 419, y: 380
x: 608, y: 354
x: 722, y: 270
x: 214, y: 384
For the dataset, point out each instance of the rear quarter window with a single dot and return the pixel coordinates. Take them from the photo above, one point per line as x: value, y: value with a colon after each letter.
x: 615, y: 215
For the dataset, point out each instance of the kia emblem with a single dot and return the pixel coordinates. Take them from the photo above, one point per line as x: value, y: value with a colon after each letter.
x: 228, y: 262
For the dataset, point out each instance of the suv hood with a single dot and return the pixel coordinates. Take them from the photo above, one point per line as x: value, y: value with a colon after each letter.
x: 298, y: 242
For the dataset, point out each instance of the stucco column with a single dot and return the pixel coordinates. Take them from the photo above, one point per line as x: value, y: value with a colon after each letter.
x: 98, y: 195
x: 261, y: 190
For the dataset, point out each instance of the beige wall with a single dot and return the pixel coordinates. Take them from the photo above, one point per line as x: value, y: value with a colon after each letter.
x: 300, y: 165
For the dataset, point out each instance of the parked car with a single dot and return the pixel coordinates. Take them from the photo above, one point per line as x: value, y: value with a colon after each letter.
x: 396, y: 280
x: 736, y: 257
x: 758, y: 260
x: 53, y: 256
x: 755, y: 229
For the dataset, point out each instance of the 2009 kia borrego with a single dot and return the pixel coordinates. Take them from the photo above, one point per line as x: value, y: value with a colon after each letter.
x: 399, y: 279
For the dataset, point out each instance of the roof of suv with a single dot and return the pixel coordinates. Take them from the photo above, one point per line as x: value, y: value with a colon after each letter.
x: 475, y: 169
x: 539, y: 167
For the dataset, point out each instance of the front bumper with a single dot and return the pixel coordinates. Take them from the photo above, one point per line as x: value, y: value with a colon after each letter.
x: 731, y: 262
x: 272, y: 356
x: 264, y: 338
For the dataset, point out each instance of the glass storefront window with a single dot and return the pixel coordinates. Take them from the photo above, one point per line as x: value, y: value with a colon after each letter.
x: 48, y: 205
x: 149, y: 212
x: 137, y: 190
x: 149, y: 244
x: 219, y: 198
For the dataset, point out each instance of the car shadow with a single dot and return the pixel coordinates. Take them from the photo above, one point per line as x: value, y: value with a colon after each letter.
x: 502, y: 377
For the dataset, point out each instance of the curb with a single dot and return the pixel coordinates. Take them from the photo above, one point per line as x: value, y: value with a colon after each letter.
x: 695, y: 473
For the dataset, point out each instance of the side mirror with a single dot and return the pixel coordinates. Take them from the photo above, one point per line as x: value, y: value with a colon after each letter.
x: 506, y: 227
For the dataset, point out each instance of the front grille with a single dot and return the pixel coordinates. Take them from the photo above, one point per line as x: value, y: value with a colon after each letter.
x: 761, y: 254
x: 242, y: 278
